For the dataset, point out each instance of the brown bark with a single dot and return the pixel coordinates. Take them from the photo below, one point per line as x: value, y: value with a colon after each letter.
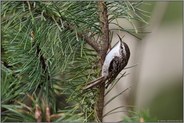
x: 104, y: 47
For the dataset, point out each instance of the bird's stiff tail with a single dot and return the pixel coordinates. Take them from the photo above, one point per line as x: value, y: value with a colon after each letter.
x: 94, y: 83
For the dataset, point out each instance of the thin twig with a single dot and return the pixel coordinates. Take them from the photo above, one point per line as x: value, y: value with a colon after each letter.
x: 82, y: 35
x: 39, y: 54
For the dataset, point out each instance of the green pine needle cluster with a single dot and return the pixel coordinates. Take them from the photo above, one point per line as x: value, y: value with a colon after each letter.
x: 46, y: 60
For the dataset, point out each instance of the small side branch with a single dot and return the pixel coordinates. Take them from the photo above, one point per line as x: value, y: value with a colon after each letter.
x: 69, y: 26
x: 86, y: 38
x: 41, y: 57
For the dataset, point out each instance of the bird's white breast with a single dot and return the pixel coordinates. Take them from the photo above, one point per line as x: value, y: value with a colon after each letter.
x: 115, y: 51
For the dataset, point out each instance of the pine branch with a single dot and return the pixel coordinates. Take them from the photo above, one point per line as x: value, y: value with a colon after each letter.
x: 69, y: 26
x: 104, y: 25
x: 41, y: 58
x: 61, y: 30
x: 82, y: 35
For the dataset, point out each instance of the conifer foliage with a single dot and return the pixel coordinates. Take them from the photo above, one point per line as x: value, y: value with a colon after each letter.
x: 50, y: 50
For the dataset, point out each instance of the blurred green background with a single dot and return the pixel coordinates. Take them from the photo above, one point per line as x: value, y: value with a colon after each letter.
x: 167, y: 104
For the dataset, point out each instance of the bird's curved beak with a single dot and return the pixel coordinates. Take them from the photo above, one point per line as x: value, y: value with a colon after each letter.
x: 120, y: 38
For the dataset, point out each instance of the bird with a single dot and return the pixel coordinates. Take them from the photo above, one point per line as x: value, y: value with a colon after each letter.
x: 115, y: 61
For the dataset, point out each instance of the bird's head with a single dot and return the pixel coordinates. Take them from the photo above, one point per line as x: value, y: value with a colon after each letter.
x: 121, y: 42
x: 124, y: 49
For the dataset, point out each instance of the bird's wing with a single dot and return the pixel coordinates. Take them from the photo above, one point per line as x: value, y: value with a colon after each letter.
x: 116, y: 65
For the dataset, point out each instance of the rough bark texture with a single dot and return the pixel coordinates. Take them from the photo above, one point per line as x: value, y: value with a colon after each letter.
x: 104, y: 47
